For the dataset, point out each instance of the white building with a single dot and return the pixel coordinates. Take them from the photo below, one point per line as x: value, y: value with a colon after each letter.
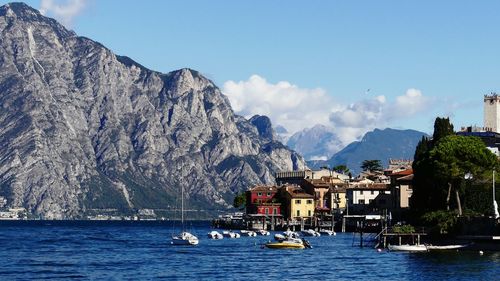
x: 492, y: 112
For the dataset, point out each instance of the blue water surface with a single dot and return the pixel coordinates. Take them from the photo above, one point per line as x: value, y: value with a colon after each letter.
x: 84, y: 250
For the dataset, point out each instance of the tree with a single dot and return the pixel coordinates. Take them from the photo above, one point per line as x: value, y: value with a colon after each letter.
x: 442, y: 128
x: 454, y: 157
x: 341, y: 169
x: 240, y: 201
x: 371, y: 165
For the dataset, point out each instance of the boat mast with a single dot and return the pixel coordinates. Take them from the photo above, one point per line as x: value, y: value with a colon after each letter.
x: 182, y: 206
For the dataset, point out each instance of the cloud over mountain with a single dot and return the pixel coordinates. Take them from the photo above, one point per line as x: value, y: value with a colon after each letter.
x: 298, y: 108
x: 64, y: 11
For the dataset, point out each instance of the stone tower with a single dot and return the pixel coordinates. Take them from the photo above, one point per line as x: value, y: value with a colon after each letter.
x: 492, y: 112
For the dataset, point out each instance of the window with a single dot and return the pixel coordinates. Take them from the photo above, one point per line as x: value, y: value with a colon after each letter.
x: 269, y: 194
x: 361, y: 192
x: 259, y: 194
x: 267, y: 211
x: 275, y: 211
x: 372, y: 192
x: 297, y: 201
x: 309, y: 213
x: 370, y: 201
x: 298, y: 213
x: 361, y: 201
x: 309, y: 201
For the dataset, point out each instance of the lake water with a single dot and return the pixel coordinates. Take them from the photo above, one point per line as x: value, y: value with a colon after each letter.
x: 142, y: 251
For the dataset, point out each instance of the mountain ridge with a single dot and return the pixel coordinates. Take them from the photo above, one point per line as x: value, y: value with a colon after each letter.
x: 379, y: 144
x: 83, y: 129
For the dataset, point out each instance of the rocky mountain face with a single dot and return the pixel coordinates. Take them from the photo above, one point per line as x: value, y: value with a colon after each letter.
x: 82, y: 129
x: 317, y: 143
x: 375, y: 145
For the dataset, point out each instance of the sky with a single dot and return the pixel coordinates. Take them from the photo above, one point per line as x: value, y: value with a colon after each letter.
x: 350, y: 65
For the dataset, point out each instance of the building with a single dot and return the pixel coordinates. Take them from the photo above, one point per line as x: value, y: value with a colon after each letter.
x: 492, y: 112
x: 401, y: 189
x: 297, y: 204
x: 367, y: 198
x: 336, y: 197
x: 262, y: 200
x: 319, y: 188
x: 296, y: 177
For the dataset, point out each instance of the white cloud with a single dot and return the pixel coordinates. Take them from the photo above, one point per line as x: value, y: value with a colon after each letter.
x: 286, y: 104
x: 299, y: 108
x: 356, y: 119
x: 63, y: 10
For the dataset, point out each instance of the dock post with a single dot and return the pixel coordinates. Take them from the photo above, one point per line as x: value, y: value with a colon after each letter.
x: 343, y: 224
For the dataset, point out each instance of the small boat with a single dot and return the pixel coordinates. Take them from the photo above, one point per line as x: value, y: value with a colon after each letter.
x: 291, y: 234
x: 248, y: 233
x: 230, y: 234
x: 445, y: 247
x: 289, y: 243
x: 185, y: 238
x: 310, y: 232
x: 327, y: 232
x: 279, y: 237
x: 263, y: 232
x: 408, y: 248
x: 215, y: 235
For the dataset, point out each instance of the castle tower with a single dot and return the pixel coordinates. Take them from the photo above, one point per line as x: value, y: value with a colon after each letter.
x: 492, y: 112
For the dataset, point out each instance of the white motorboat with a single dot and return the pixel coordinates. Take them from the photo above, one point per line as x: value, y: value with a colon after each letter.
x: 310, y: 232
x: 408, y: 248
x: 327, y: 232
x: 445, y: 247
x: 215, y: 235
x: 279, y: 237
x: 263, y: 232
x: 291, y: 234
x: 248, y: 233
x: 184, y: 238
x: 230, y: 234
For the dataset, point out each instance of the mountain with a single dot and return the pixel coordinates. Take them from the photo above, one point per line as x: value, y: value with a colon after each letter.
x: 316, y: 143
x: 264, y: 126
x: 282, y: 133
x: 84, y: 130
x: 376, y: 145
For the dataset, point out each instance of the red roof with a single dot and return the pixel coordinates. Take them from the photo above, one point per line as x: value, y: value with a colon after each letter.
x: 403, y: 173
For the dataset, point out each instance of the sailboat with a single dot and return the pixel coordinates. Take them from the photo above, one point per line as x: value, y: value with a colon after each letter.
x: 184, y: 238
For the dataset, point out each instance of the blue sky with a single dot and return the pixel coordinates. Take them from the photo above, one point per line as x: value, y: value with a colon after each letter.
x: 351, y: 65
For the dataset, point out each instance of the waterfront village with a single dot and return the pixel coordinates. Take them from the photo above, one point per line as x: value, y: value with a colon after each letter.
x: 324, y: 199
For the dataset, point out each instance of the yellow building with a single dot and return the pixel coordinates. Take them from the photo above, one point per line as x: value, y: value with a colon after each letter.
x: 298, y: 205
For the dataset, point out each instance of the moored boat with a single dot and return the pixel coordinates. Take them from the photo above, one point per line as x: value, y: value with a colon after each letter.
x: 289, y: 243
x: 310, y: 232
x: 408, y: 248
x: 327, y: 232
x: 263, y: 232
x: 230, y: 234
x: 248, y: 233
x: 185, y: 238
x: 445, y: 247
x: 215, y: 235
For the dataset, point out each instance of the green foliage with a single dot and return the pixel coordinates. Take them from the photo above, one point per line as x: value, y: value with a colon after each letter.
x: 406, y: 228
x: 442, y: 163
x: 442, y: 128
x: 371, y: 165
x: 443, y: 222
x: 341, y: 169
x: 240, y: 201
